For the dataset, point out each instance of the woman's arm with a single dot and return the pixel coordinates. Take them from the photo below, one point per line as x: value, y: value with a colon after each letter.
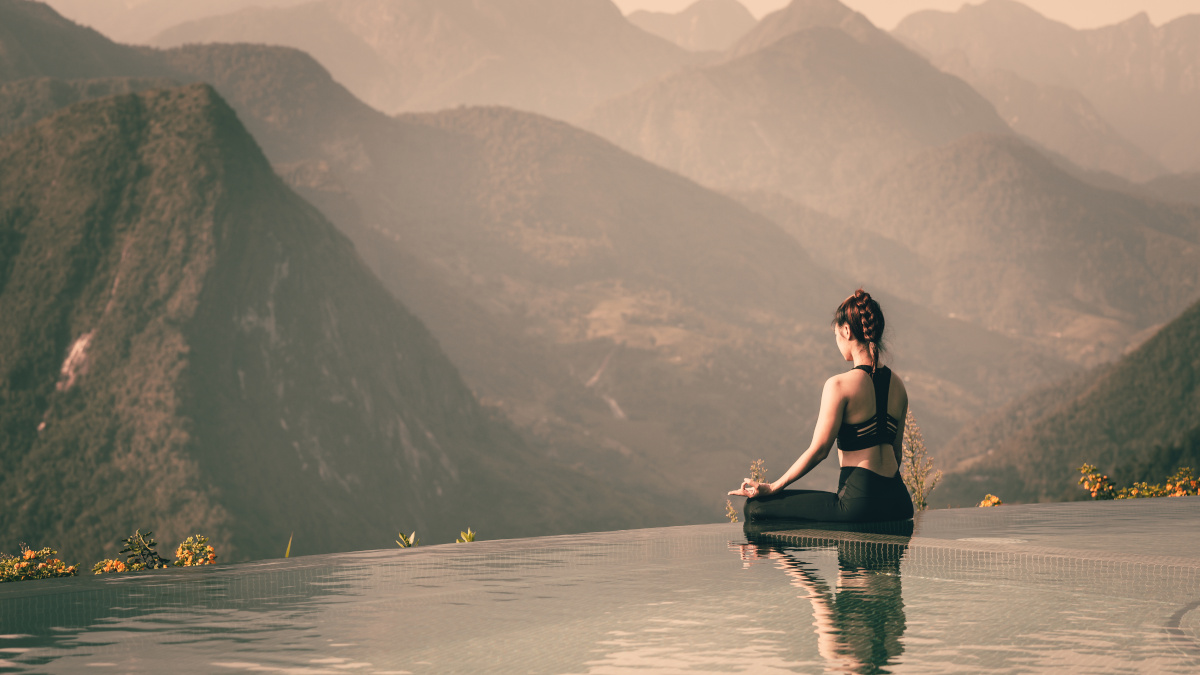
x: 833, y: 403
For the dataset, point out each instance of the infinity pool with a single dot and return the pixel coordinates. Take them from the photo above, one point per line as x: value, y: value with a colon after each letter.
x: 1103, y: 587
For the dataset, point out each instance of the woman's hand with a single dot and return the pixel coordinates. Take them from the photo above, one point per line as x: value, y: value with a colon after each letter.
x: 752, y: 489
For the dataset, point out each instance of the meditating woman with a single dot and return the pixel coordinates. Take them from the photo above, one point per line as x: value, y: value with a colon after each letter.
x: 864, y: 409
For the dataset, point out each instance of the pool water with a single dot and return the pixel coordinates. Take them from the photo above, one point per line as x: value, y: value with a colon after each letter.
x: 1103, y: 587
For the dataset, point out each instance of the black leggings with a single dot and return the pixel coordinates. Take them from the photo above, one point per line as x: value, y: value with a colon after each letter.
x: 863, y: 496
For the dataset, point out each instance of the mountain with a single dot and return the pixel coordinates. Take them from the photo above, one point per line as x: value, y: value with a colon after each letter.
x: 1003, y: 237
x: 135, y: 21
x: 38, y: 42
x: 24, y: 102
x: 812, y: 101
x: 555, y: 57
x: 704, y: 25
x: 189, y: 346
x: 1059, y: 119
x: 1137, y: 420
x: 1139, y: 76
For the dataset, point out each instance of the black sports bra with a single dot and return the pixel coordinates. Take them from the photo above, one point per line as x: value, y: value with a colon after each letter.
x: 872, y: 433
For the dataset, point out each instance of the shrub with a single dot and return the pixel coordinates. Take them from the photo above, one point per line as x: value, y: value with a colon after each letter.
x: 142, y: 556
x: 1096, y: 483
x: 108, y: 566
x: 195, y: 550
x: 1182, y: 483
x: 991, y: 500
x: 916, y: 466
x: 32, y: 564
x: 730, y: 512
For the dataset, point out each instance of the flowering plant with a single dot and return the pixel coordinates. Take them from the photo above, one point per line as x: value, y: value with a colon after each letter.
x: 195, y: 550
x: 991, y: 500
x: 34, y: 564
x: 1179, y: 484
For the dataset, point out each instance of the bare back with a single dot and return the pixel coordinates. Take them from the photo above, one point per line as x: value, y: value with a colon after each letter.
x: 859, y: 409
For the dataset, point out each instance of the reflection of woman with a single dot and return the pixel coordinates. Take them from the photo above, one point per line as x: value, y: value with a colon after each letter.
x: 864, y: 410
x: 859, y: 627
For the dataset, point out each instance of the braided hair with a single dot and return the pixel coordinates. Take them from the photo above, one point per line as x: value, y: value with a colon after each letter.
x: 861, y: 313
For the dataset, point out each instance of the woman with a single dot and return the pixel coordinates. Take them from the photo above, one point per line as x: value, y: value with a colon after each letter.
x: 864, y: 410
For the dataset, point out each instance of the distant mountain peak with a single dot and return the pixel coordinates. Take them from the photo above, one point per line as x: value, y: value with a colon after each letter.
x: 705, y: 25
x: 803, y: 15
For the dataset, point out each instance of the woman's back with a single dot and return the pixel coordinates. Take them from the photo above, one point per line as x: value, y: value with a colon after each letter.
x: 865, y: 440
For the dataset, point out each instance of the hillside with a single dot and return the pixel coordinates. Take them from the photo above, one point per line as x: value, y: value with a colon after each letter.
x: 1137, y: 419
x: 188, y: 346
x: 1002, y: 237
x: 24, y: 102
x: 1184, y: 187
x: 1059, y: 119
x: 556, y: 57
x: 704, y: 25
x: 1139, y: 76
x: 35, y: 41
x: 813, y: 101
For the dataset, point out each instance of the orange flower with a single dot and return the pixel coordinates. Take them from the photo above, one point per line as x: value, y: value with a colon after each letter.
x: 30, y: 554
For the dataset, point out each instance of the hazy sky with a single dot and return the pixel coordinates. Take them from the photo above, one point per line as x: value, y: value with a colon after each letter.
x: 887, y: 13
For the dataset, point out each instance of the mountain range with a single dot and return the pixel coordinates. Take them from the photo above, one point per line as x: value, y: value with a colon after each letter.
x: 556, y: 57
x: 596, y: 298
x: 617, y: 325
x: 1140, y: 77
x: 994, y: 232
x: 704, y: 25
x: 808, y: 104
x: 622, y: 315
x: 1059, y: 119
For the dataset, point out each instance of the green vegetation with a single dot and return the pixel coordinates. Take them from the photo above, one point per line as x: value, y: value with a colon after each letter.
x: 1182, y: 483
x: 31, y: 564
x: 465, y: 537
x: 194, y: 551
x: 916, y: 466
x: 410, y: 541
x: 730, y: 512
x: 142, y: 556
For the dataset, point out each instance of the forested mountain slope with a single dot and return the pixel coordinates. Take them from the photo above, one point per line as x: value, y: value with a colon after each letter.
x: 188, y: 346
x: 1137, y: 420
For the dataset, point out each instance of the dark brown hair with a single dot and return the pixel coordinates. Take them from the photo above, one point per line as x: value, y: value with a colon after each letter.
x: 864, y: 317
